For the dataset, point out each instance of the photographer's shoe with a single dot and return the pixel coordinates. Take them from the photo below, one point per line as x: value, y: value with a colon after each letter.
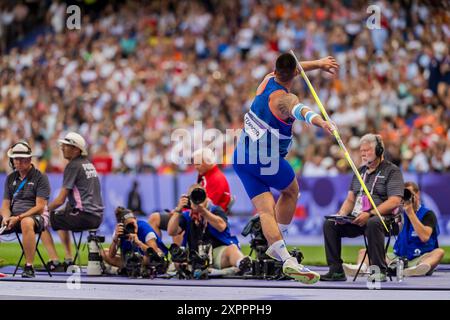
x: 28, y: 272
x: 333, y: 276
x: 417, y: 271
x: 296, y: 271
x: 245, y: 265
x: 351, y: 269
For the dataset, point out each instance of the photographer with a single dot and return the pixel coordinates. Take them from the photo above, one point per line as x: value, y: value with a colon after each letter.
x: 206, y: 224
x: 417, y: 241
x: 384, y: 181
x: 211, y: 178
x: 132, y: 235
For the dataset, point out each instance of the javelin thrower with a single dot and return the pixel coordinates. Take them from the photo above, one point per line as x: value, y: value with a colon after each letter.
x: 259, y: 156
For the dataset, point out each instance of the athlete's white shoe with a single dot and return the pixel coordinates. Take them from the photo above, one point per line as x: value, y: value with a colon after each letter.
x: 299, y: 272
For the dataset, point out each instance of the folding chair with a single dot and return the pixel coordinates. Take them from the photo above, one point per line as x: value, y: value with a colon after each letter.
x: 390, y: 224
x: 37, y: 251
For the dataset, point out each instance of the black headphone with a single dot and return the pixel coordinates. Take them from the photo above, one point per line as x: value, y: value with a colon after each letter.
x: 24, y: 143
x: 379, y: 149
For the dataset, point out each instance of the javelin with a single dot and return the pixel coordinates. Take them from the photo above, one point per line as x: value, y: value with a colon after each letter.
x: 338, y: 138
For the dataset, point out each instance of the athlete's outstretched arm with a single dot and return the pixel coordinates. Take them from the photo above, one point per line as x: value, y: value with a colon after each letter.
x: 327, y: 64
x: 288, y: 105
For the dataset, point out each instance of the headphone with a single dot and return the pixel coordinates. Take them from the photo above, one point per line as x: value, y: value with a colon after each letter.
x: 24, y: 143
x: 379, y: 149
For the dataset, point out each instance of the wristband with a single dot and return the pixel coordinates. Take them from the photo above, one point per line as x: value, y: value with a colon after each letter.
x: 297, y: 111
x: 309, y: 116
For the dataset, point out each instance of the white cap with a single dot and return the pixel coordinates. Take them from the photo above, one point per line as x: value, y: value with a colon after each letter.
x: 20, y: 150
x: 205, y: 155
x: 76, y: 140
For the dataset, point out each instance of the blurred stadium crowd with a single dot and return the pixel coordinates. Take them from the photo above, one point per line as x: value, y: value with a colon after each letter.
x: 134, y: 72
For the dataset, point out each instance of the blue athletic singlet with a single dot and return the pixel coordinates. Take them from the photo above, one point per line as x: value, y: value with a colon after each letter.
x: 259, y: 156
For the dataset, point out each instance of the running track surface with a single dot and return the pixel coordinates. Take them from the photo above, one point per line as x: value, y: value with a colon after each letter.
x: 436, y: 287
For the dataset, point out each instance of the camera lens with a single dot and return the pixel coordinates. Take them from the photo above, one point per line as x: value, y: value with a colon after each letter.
x: 129, y: 228
x: 197, y: 196
x: 407, y: 195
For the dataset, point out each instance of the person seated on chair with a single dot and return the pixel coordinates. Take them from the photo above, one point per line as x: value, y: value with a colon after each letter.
x: 417, y: 241
x: 211, y: 178
x: 384, y: 181
x: 24, y: 206
x: 206, y: 224
x: 131, y: 234
x: 84, y: 208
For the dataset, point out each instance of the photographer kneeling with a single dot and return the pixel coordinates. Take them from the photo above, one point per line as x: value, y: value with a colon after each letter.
x: 417, y: 241
x: 206, y: 224
x: 132, y: 236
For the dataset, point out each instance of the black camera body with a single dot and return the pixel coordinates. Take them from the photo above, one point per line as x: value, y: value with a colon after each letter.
x: 157, y: 264
x: 192, y: 264
x: 128, y: 229
x: 197, y: 196
x: 132, y: 262
x: 264, y: 267
x: 407, y: 195
x: 123, y: 214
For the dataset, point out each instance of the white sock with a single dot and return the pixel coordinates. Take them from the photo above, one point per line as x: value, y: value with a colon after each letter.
x: 280, y: 250
x: 283, y: 229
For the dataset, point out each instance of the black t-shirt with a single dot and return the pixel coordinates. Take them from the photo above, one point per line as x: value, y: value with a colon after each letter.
x: 200, y: 232
x: 36, y: 185
x: 386, y: 181
x: 429, y: 220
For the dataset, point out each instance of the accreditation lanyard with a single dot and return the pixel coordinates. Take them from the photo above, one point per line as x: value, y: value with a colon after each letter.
x: 373, y: 184
x: 21, y: 185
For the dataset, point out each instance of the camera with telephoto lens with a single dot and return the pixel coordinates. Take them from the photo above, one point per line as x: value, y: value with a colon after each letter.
x: 179, y: 256
x: 407, y: 195
x: 132, y: 264
x: 122, y: 215
x: 95, y: 265
x: 264, y: 266
x: 197, y: 196
x: 191, y: 264
x: 128, y: 229
x: 157, y: 264
x: 200, y: 260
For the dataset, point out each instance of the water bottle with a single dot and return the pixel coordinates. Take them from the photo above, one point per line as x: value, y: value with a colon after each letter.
x: 400, y: 267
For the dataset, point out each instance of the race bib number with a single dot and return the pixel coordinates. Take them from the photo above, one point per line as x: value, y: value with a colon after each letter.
x: 252, y: 129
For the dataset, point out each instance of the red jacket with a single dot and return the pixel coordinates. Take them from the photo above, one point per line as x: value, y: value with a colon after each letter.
x: 217, y: 188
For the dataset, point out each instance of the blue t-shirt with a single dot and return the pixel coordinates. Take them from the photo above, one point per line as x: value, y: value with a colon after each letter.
x: 145, y: 232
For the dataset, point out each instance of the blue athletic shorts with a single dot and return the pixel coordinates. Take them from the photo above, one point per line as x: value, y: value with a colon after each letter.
x: 256, y: 183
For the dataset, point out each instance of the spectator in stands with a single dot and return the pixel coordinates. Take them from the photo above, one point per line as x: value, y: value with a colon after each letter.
x: 135, y: 74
